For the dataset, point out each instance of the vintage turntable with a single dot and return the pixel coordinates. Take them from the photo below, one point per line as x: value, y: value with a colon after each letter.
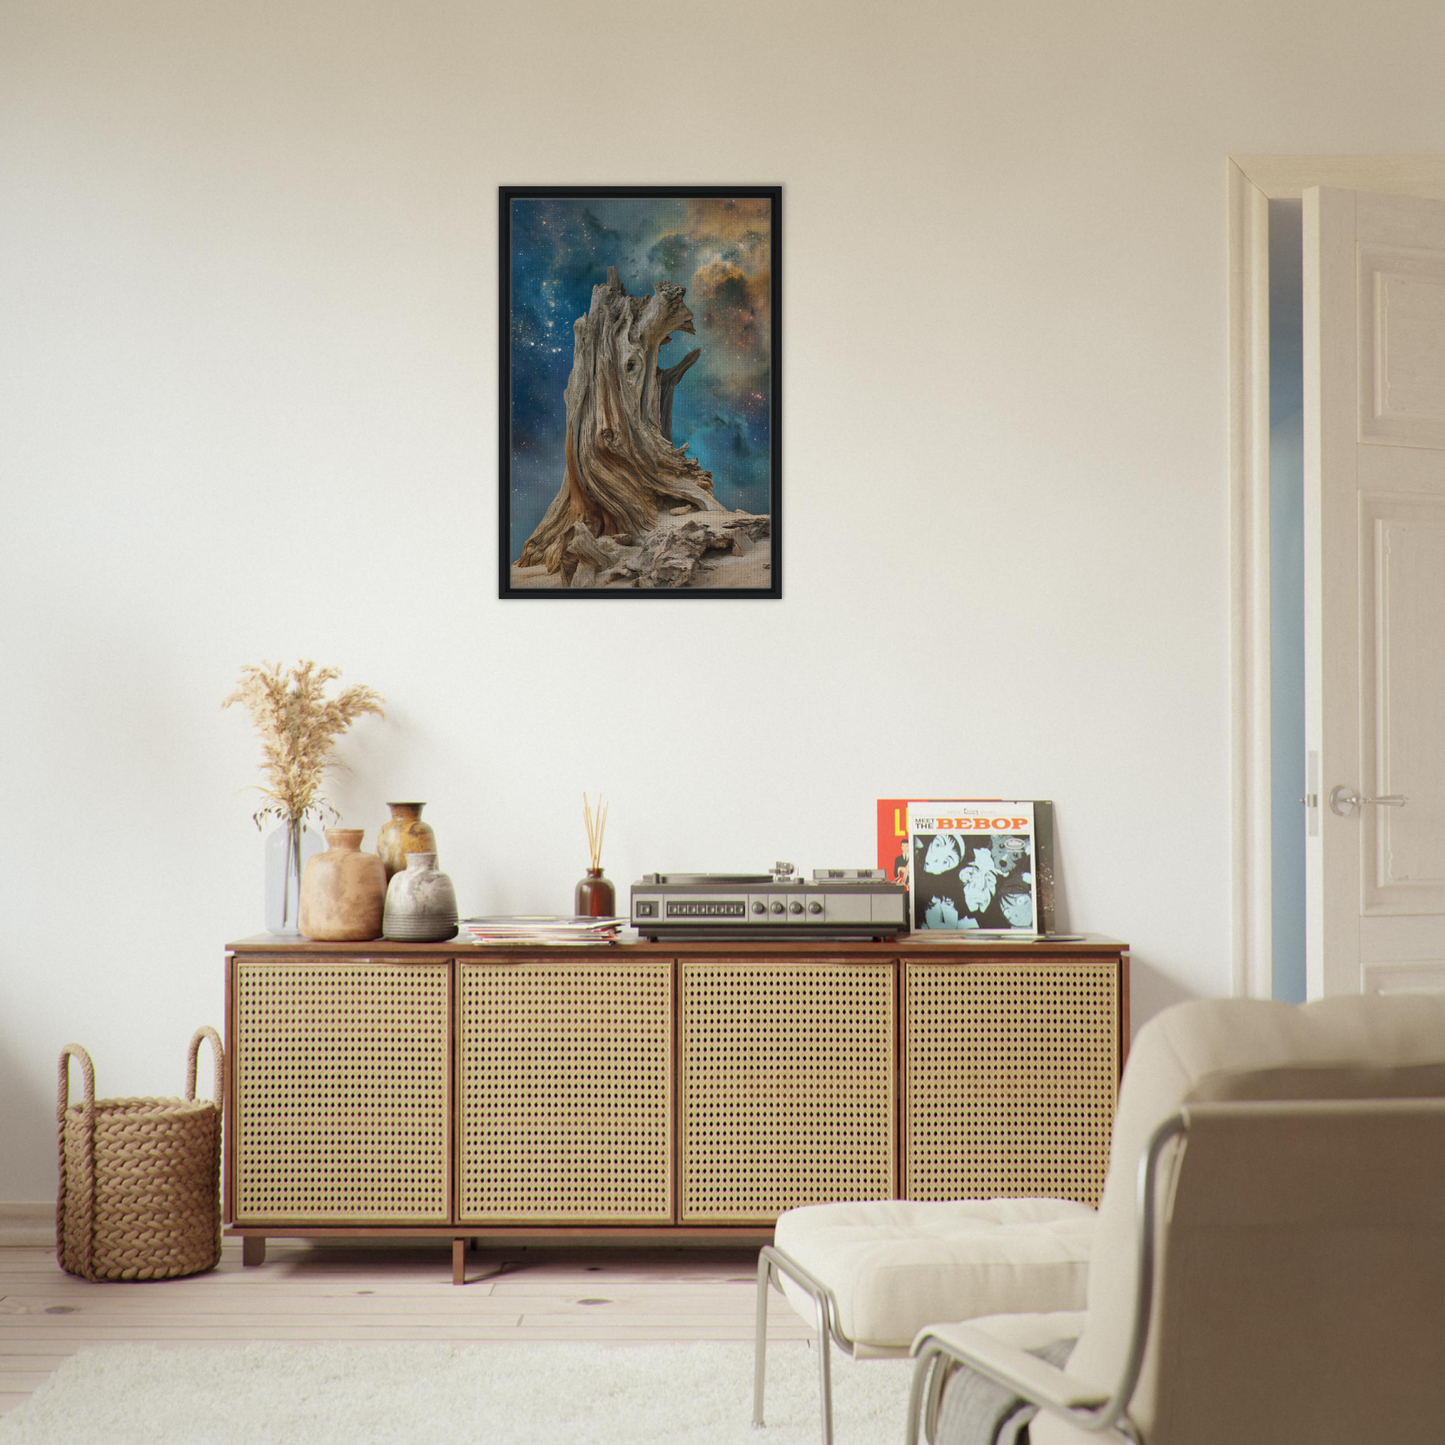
x: 834, y: 903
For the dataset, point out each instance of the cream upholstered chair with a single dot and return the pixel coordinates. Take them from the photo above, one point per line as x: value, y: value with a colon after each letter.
x: 1269, y: 1259
x: 870, y: 1275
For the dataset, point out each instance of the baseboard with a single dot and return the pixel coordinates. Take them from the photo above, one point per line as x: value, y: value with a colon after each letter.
x: 28, y: 1223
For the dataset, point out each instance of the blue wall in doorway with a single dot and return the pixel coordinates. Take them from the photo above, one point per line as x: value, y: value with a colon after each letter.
x: 1286, y: 597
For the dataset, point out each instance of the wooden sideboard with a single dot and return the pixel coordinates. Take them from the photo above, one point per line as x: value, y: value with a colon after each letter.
x: 657, y: 1091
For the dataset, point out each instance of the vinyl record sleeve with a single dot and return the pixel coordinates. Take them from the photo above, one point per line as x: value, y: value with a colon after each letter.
x: 896, y: 860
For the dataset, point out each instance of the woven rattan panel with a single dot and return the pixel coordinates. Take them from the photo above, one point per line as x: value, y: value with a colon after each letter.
x: 566, y: 1092
x: 787, y: 1086
x: 1010, y: 1079
x: 341, y: 1091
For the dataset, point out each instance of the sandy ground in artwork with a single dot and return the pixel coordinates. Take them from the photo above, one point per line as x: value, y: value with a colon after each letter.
x: 751, y: 568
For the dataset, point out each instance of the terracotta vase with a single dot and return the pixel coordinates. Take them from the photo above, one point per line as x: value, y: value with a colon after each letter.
x: 404, y: 833
x: 421, y: 904
x: 343, y: 890
x: 595, y: 897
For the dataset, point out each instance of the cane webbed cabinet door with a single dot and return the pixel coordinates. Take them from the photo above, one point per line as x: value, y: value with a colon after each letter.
x: 1010, y: 1078
x: 787, y: 1077
x: 565, y: 1071
x: 341, y: 1073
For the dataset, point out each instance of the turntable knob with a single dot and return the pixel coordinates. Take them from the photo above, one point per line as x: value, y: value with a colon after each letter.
x: 795, y: 907
x: 759, y: 906
x: 815, y: 907
x: 777, y: 908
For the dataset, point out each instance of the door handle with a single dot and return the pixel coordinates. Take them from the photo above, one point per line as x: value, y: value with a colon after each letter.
x: 1344, y: 800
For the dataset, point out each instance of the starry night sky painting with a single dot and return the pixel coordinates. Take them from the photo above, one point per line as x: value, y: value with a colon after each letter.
x: 639, y: 401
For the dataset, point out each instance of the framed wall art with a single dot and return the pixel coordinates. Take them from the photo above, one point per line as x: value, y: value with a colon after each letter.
x: 640, y: 391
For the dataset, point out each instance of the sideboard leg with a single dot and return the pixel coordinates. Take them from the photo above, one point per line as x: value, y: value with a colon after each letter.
x: 459, y: 1261
x: 253, y: 1249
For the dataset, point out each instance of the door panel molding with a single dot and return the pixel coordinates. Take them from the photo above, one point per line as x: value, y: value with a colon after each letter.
x: 1402, y: 558
x: 1402, y: 320
x: 1404, y: 978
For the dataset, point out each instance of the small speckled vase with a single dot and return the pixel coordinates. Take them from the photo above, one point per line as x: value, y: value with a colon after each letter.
x: 343, y: 890
x: 421, y: 904
x: 404, y: 833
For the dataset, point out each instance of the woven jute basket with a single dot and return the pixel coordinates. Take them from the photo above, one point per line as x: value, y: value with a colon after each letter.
x: 139, y: 1178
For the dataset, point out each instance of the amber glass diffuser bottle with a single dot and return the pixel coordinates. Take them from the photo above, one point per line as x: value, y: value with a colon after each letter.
x: 595, y: 896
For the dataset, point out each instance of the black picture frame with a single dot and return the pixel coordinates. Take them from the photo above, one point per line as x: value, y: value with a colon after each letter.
x: 534, y: 438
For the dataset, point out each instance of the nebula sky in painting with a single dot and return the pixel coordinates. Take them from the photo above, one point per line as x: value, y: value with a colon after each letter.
x: 719, y: 249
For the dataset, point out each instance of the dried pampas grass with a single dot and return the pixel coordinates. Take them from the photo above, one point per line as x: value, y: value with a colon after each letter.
x: 298, y: 724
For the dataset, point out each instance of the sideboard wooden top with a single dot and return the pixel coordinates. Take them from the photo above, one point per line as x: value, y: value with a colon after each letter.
x: 914, y: 944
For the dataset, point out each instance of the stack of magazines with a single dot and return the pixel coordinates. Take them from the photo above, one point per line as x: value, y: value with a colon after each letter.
x: 547, y: 928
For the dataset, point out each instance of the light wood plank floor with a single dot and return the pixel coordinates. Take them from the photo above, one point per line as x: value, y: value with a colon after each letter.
x: 381, y: 1292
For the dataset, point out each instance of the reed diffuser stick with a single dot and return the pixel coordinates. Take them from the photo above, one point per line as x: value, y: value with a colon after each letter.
x: 596, y: 827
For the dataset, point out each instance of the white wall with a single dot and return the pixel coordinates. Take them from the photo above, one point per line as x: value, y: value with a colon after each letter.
x: 248, y: 289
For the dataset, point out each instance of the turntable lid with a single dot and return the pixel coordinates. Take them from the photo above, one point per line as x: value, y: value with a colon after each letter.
x: 703, y: 879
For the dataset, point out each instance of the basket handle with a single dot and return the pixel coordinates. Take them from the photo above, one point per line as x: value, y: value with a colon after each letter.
x: 87, y: 1070
x: 218, y: 1055
x: 84, y: 1186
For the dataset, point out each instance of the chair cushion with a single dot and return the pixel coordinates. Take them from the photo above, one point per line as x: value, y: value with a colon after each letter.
x: 896, y: 1265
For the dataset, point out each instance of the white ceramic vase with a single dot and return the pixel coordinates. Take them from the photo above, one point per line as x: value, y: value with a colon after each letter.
x: 421, y: 904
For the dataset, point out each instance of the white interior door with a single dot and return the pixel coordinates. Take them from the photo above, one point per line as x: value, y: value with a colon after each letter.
x: 1374, y: 427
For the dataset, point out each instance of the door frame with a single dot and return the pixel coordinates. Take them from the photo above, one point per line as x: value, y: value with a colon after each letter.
x: 1254, y: 181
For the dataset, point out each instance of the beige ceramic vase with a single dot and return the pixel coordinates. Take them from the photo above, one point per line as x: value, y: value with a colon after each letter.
x: 343, y: 890
x: 404, y: 833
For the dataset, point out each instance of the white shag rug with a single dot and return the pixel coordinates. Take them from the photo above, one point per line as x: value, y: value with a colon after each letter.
x: 477, y: 1394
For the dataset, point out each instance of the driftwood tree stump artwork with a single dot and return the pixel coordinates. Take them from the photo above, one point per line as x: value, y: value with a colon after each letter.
x: 633, y: 510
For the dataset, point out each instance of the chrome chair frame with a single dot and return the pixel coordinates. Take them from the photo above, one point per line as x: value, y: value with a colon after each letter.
x: 771, y: 1264
x: 937, y: 1358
